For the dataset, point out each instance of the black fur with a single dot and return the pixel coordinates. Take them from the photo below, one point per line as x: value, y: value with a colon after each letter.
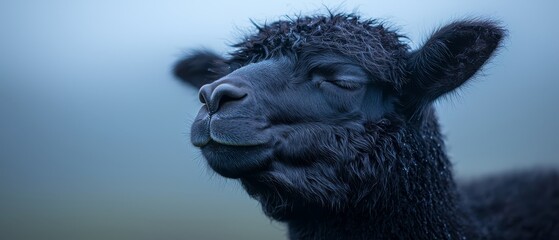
x: 450, y: 57
x: 360, y: 40
x: 201, y: 67
x: 328, y: 122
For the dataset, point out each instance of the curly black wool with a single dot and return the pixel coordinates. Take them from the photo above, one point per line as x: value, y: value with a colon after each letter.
x: 375, y: 47
x: 328, y: 121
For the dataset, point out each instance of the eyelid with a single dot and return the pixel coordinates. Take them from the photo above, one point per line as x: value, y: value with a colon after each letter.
x: 352, y: 74
x: 342, y: 76
x: 350, y: 85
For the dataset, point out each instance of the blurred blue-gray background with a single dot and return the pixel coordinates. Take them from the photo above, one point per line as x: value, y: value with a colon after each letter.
x: 94, y: 129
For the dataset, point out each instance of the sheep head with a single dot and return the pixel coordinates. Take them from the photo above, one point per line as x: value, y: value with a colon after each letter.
x: 330, y: 112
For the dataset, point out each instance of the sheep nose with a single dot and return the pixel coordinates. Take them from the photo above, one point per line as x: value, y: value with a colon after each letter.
x: 216, y: 97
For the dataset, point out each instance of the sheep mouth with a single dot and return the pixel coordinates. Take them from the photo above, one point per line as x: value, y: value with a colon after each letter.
x: 238, y: 131
x: 236, y: 161
x: 233, y: 147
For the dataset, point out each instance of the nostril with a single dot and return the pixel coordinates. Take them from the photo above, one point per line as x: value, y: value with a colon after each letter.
x: 224, y: 93
x: 227, y: 92
x: 204, y: 94
x: 201, y: 97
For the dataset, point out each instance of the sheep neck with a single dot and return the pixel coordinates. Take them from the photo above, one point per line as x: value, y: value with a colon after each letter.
x: 418, y: 200
x: 420, y: 217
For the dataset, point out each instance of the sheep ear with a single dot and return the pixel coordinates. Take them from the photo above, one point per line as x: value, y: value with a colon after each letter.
x: 201, y: 67
x: 451, y: 56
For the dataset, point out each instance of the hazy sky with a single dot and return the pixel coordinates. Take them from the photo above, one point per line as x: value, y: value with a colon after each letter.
x: 94, y: 130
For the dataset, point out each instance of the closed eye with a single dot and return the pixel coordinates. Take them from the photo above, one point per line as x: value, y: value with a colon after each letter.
x: 348, y: 85
x: 339, y: 75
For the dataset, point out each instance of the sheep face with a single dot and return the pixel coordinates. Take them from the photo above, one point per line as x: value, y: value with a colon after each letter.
x: 264, y: 109
x: 281, y: 125
x: 331, y: 113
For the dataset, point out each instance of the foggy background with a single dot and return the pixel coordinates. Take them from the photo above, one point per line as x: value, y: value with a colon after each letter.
x: 94, y: 130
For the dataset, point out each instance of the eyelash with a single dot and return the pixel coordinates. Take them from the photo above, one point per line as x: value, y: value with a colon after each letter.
x: 345, y: 84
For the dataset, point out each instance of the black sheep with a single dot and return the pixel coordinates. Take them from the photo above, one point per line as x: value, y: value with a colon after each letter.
x: 328, y: 122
